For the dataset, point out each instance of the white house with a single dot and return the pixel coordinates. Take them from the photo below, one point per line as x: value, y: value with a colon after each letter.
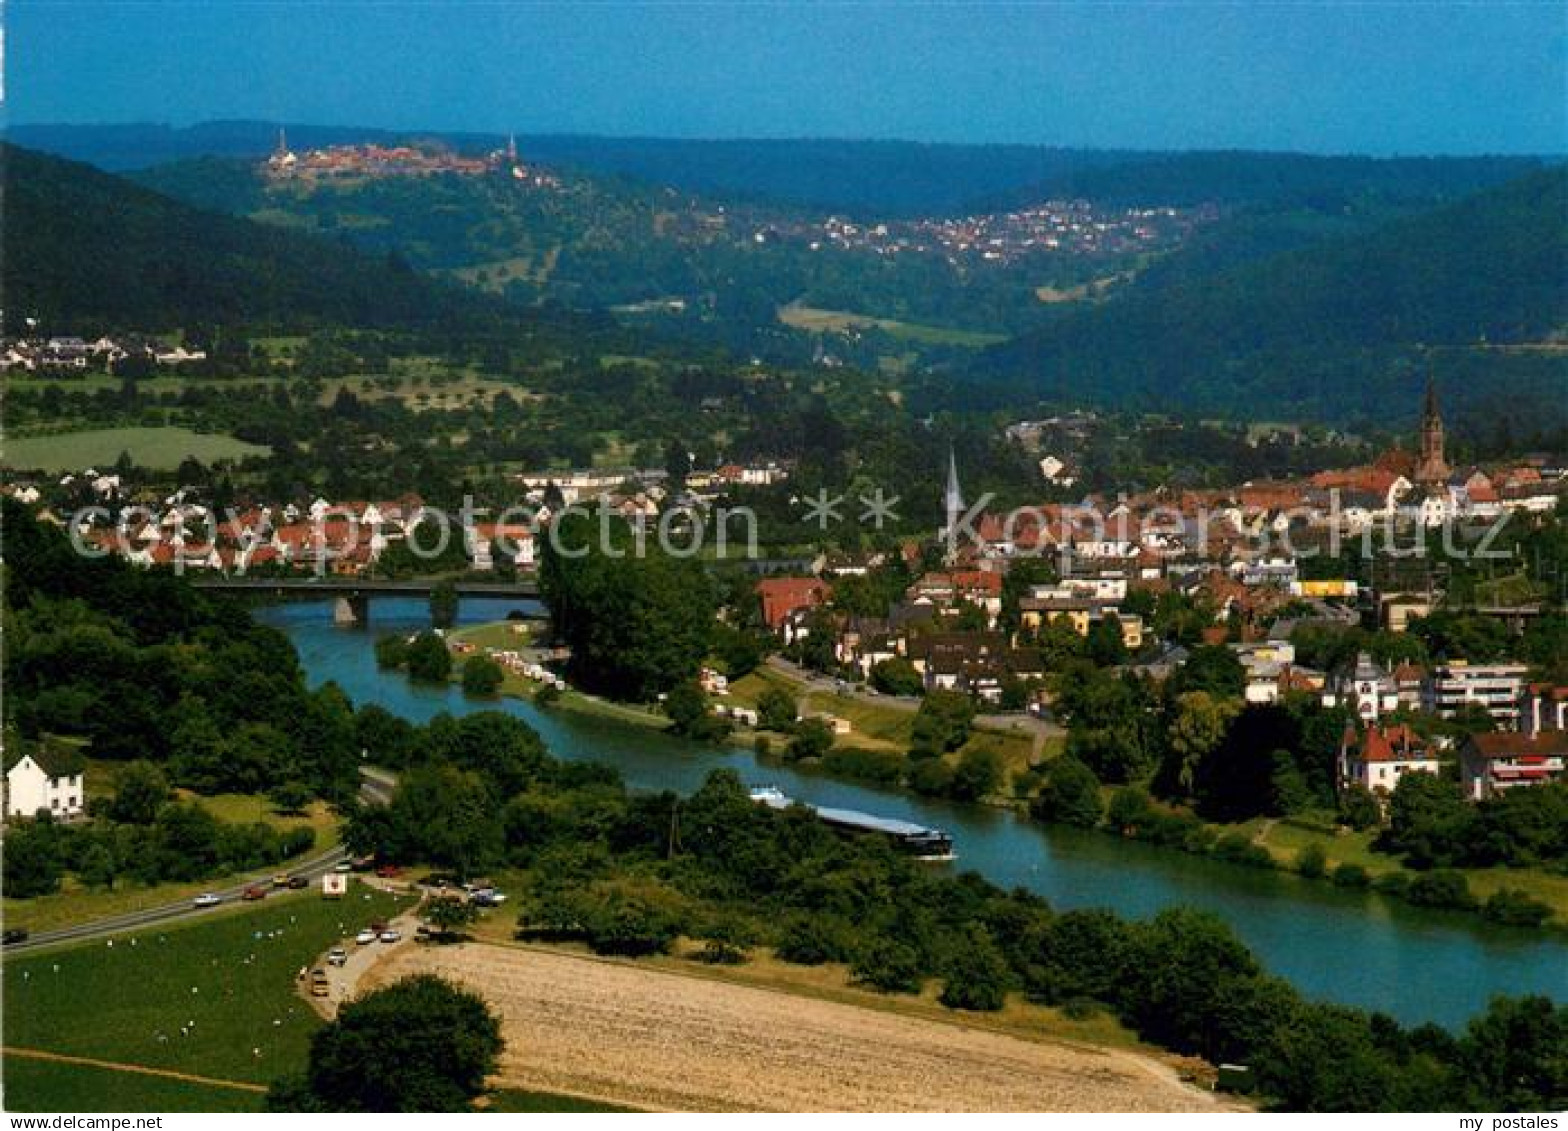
x: 45, y: 778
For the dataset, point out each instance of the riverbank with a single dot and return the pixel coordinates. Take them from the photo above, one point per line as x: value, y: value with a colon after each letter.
x: 884, y: 732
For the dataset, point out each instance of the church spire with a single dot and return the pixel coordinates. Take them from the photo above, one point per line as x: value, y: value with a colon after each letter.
x: 953, y: 502
x: 1432, y: 470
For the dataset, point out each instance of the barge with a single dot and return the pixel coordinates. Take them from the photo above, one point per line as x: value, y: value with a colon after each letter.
x: 919, y: 841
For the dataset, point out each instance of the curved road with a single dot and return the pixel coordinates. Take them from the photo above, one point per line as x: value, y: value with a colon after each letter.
x: 375, y: 788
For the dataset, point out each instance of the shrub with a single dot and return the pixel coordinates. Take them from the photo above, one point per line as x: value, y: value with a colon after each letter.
x: 888, y: 965
x: 1441, y: 888
x: 881, y: 766
x: 1516, y: 908
x: 482, y: 676
x: 976, y: 975
x: 931, y: 776
x: 1071, y: 795
x: 1351, y: 876
x: 1237, y: 848
x: 1312, y: 862
x: 813, y: 739
x: 1395, y: 884
x: 811, y: 940
x: 776, y: 710
x: 547, y: 694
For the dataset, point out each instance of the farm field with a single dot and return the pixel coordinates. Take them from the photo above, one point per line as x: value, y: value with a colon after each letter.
x: 52, y: 1085
x: 818, y: 320
x: 126, y: 999
x: 652, y: 1038
x: 159, y: 448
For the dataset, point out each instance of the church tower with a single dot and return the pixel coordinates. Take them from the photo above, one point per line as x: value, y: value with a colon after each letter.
x: 1432, y: 470
x: 953, y: 502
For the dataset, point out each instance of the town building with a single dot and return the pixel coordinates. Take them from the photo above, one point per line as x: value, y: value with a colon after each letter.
x: 1494, y: 687
x: 1490, y: 764
x: 48, y: 778
x: 1378, y: 759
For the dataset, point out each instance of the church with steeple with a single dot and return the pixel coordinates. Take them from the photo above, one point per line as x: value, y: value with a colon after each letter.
x: 1432, y: 470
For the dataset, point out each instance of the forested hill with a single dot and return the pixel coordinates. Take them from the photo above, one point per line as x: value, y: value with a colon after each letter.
x: 85, y: 250
x: 868, y: 178
x: 1333, y: 331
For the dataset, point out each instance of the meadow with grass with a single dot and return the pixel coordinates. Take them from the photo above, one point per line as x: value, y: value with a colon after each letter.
x: 211, y: 997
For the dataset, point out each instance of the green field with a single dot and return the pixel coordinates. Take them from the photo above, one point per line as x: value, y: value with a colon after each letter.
x: 817, y: 320
x: 160, y: 448
x: 42, y: 1085
x: 233, y: 975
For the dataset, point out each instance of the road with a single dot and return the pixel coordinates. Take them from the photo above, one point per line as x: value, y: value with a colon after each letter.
x: 1039, y: 728
x: 375, y: 788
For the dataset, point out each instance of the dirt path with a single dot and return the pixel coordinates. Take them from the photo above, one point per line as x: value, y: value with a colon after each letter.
x: 654, y: 1039
x: 137, y: 1069
x: 345, y: 980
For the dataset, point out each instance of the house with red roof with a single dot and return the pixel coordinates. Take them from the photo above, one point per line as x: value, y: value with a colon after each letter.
x: 1382, y: 756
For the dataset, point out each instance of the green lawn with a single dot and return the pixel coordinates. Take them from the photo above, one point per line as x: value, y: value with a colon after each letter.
x: 233, y: 975
x: 516, y: 1101
x: 159, y: 448
x: 41, y: 1085
x: 817, y: 320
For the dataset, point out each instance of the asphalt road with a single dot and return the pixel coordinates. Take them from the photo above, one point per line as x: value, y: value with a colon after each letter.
x: 376, y: 788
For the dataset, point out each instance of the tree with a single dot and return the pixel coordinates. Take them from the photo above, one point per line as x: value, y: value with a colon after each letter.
x: 482, y: 676
x: 1358, y: 807
x: 428, y: 658
x: 1196, y: 728
x: 776, y: 710
x: 32, y: 863
x: 978, y: 774
x: 1105, y: 645
x: 1071, y: 794
x: 443, y: 816
x: 391, y: 651
x: 289, y: 797
x: 1428, y: 821
x: 1517, y: 1055
x: 449, y: 914
x: 141, y: 789
x: 976, y: 975
x: 941, y: 724
x: 1213, y: 668
x: 888, y: 965
x: 422, y: 1044
x: 813, y: 738
x: 443, y: 604
x: 687, y: 706
x: 896, y: 676
x: 638, y: 621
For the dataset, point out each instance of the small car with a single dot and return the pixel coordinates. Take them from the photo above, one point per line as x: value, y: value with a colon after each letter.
x: 337, y: 956
x: 13, y: 936
x: 388, y: 871
x: 280, y: 880
x: 319, y: 985
x: 254, y: 892
x: 365, y: 937
x: 343, y: 866
x: 391, y: 935
x: 207, y: 899
x: 297, y: 883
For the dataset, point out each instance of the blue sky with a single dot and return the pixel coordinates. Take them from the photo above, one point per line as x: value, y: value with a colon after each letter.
x: 1322, y: 77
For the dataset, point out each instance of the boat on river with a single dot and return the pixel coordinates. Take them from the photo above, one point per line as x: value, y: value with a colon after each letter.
x: 919, y: 841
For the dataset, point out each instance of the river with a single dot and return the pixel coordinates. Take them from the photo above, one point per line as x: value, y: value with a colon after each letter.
x: 1351, y: 947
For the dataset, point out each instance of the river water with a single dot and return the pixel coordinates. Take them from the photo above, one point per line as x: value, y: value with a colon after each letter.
x: 1351, y: 947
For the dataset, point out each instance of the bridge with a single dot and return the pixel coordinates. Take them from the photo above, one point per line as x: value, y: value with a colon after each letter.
x: 353, y: 594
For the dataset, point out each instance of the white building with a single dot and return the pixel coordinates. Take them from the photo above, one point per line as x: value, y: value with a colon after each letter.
x: 1495, y: 687
x: 46, y: 779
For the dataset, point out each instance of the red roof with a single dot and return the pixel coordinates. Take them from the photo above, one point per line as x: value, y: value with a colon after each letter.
x: 1552, y: 743
x: 1396, y: 744
x: 781, y: 596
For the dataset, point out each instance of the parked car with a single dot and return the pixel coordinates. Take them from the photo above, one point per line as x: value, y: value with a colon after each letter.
x: 255, y: 891
x: 320, y: 986
x: 487, y: 897
x: 388, y: 871
x: 281, y: 880
x: 365, y: 937
x: 337, y: 956
x: 12, y: 936
x: 298, y: 883
x: 207, y: 899
x: 391, y: 935
x: 343, y: 866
